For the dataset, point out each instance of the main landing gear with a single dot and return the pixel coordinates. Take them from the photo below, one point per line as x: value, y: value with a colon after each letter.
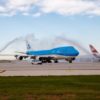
x: 47, y: 60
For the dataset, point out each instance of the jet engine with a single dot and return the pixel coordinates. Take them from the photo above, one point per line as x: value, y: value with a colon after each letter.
x: 19, y: 57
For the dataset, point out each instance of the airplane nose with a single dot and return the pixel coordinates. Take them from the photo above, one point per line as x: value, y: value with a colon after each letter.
x: 76, y: 52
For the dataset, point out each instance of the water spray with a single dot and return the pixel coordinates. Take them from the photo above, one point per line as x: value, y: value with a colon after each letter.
x: 75, y: 43
x: 8, y: 44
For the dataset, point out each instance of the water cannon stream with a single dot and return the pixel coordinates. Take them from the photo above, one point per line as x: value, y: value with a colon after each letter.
x: 73, y: 42
x: 8, y: 44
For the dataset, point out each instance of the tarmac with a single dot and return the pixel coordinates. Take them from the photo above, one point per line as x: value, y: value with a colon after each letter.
x: 24, y: 68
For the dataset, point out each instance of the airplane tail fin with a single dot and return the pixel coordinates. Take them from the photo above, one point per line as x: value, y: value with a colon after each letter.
x: 93, y: 50
x: 28, y: 45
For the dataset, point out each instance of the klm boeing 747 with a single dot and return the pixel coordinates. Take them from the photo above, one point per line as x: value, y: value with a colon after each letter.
x: 69, y: 53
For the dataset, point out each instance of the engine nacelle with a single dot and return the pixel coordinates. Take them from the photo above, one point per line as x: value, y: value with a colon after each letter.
x: 70, y: 59
x: 19, y: 57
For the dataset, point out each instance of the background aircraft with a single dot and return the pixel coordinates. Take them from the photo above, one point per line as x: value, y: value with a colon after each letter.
x: 94, y: 51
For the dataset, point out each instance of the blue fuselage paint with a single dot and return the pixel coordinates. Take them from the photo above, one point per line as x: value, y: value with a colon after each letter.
x: 61, y: 51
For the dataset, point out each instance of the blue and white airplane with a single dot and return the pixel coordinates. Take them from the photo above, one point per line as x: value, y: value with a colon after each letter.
x: 69, y: 53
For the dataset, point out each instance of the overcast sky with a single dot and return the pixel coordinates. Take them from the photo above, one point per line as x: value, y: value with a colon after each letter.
x: 76, y: 19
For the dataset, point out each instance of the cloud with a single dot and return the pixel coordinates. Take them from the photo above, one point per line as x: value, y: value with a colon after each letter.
x: 70, y: 7
x: 12, y: 7
x: 37, y: 14
x: 40, y: 7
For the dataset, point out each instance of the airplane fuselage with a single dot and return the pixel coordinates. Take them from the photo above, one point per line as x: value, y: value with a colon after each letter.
x: 68, y: 53
x: 61, y: 51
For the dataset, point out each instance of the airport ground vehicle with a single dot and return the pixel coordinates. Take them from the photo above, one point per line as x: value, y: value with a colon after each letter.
x: 36, y: 62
